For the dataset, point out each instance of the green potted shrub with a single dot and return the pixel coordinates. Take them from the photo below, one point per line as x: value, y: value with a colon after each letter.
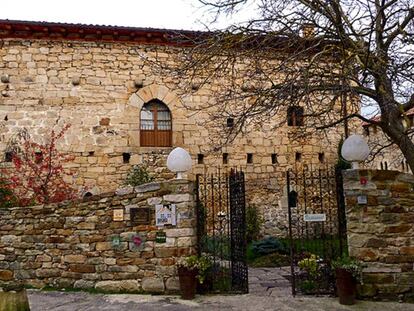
x: 190, y: 270
x: 309, y: 265
x: 348, y: 273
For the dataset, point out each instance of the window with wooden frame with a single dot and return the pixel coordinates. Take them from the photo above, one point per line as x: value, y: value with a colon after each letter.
x: 156, y: 125
x: 295, y: 116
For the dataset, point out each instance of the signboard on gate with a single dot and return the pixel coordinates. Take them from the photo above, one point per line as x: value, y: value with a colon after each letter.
x: 314, y: 217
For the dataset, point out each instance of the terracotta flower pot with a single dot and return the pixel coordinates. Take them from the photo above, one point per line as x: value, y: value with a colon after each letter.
x: 14, y: 300
x: 346, y: 286
x: 188, y: 282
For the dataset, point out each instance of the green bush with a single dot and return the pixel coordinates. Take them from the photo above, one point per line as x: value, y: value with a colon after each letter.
x: 253, y: 223
x: 268, y: 246
x: 138, y: 175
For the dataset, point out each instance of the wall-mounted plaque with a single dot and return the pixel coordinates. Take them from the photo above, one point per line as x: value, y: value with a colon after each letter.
x: 116, y: 241
x: 118, y: 215
x: 136, y: 242
x: 165, y: 215
x: 362, y: 199
x: 160, y: 237
x: 140, y: 216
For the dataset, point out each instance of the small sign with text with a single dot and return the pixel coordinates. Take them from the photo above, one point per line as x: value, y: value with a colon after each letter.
x: 314, y: 217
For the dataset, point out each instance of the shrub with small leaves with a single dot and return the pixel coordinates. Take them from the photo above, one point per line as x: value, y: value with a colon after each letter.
x: 254, y: 223
x: 200, y: 263
x: 350, y: 264
x: 138, y: 175
x: 37, y: 175
x: 310, y: 265
x: 268, y: 246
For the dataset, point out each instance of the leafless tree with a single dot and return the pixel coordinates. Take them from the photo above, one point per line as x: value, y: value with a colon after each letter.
x: 328, y: 57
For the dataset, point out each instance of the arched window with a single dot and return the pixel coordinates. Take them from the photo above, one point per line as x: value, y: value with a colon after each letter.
x: 295, y: 116
x: 156, y: 125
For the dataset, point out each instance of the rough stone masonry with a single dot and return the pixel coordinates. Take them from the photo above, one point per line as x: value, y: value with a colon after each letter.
x: 79, y: 245
x: 381, y: 231
x: 98, y: 83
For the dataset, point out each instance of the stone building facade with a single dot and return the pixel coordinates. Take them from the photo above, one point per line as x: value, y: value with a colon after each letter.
x: 99, y: 80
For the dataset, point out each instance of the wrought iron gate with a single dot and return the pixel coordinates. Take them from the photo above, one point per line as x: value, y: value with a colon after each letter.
x: 317, y: 231
x: 222, y: 230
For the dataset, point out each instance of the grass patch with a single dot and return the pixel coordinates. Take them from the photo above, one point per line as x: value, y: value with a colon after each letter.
x: 329, y: 246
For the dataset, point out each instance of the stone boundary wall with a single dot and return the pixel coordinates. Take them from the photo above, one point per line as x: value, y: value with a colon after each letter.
x: 381, y: 232
x: 73, y: 245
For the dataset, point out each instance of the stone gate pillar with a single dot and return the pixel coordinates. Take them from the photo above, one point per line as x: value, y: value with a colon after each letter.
x: 380, y: 229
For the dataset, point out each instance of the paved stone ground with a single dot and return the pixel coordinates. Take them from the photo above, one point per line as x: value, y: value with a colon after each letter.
x: 270, y: 282
x: 269, y: 291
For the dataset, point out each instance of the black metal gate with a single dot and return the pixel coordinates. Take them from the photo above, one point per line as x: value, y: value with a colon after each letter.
x: 222, y: 230
x: 317, y: 228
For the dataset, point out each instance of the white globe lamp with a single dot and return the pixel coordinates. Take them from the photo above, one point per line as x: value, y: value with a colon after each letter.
x: 355, y: 149
x: 179, y: 161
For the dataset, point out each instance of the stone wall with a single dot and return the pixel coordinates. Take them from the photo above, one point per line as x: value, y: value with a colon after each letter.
x: 73, y: 245
x: 381, y: 232
x: 92, y: 86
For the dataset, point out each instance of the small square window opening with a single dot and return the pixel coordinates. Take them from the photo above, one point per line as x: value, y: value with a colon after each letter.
x: 225, y: 158
x: 38, y: 157
x: 230, y: 122
x: 274, y: 158
x: 200, y: 158
x: 321, y: 157
x: 126, y: 157
x: 250, y: 158
x: 298, y: 156
x: 8, y: 156
x: 295, y: 116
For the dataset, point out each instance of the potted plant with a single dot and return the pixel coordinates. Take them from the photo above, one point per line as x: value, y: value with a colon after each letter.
x: 309, y: 268
x: 13, y: 296
x: 190, y: 270
x: 348, y: 273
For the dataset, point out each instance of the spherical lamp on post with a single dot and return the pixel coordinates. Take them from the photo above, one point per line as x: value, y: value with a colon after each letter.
x: 179, y: 161
x: 355, y: 149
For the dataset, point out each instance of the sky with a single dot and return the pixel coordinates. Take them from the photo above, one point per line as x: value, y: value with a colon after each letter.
x: 169, y: 14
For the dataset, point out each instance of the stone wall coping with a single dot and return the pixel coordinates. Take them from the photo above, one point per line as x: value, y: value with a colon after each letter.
x: 124, y: 192
x: 380, y: 175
